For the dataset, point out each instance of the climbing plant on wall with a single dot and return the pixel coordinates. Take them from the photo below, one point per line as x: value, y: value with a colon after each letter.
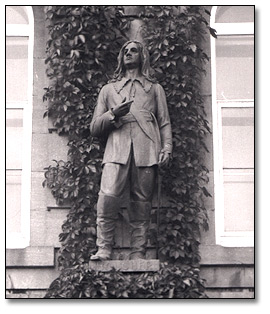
x: 82, y: 54
x: 82, y: 49
x: 174, y: 37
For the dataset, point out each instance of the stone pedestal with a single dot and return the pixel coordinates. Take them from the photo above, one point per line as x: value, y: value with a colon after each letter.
x: 126, y: 265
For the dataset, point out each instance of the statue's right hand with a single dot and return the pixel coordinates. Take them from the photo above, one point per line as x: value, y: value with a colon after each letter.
x: 122, y: 109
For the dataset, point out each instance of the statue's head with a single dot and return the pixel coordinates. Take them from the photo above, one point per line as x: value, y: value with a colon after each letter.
x: 142, y: 60
x: 132, y: 56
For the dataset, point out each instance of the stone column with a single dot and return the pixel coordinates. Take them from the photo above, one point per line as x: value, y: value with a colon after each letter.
x: 134, y: 32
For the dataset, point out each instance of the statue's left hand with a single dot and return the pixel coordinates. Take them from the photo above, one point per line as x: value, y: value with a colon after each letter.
x: 163, y: 159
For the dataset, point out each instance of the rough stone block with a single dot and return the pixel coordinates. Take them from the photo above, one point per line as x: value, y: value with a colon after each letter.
x: 208, y: 237
x: 40, y: 196
x: 27, y: 294
x: 40, y: 31
x: 57, y: 147
x: 40, y: 124
x: 39, y: 152
x: 30, y: 278
x: 40, y: 78
x: 206, y: 88
x: 126, y: 266
x: 230, y: 293
x: 46, y: 227
x: 219, y: 255
x: 228, y: 276
x: 30, y: 256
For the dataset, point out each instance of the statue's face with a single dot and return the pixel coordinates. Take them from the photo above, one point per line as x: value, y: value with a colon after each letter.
x: 132, y: 58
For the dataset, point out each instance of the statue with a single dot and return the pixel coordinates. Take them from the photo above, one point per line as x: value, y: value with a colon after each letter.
x: 132, y: 111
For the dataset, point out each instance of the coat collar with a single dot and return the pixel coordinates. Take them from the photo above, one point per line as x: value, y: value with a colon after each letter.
x: 119, y: 85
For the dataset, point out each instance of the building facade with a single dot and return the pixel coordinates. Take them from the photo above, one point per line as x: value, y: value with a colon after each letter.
x: 33, y: 220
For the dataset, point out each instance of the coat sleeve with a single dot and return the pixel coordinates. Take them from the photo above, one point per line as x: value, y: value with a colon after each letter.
x: 163, y: 120
x: 101, y: 123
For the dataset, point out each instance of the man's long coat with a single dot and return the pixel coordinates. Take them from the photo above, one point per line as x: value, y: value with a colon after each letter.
x: 147, y: 126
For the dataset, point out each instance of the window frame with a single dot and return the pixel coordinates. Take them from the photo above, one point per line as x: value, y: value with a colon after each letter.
x: 225, y: 238
x: 22, y: 239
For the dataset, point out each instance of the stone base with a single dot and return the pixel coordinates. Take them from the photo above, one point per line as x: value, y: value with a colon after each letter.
x: 124, y: 253
x: 139, y: 265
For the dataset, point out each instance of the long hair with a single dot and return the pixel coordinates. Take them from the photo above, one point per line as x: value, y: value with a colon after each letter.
x: 146, y: 70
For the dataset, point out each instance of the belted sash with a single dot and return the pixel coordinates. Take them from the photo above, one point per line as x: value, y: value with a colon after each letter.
x: 142, y: 117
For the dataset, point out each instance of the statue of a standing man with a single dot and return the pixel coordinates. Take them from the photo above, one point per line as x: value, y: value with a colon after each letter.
x: 132, y: 111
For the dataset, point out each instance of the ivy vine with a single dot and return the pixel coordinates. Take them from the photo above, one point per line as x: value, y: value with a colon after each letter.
x: 169, y: 282
x: 82, y: 54
x: 174, y: 37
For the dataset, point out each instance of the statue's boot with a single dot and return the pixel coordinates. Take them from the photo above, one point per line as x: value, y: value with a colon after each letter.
x: 139, y: 217
x: 107, y: 213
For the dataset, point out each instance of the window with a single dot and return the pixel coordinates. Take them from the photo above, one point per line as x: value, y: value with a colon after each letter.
x: 233, y: 123
x: 19, y: 79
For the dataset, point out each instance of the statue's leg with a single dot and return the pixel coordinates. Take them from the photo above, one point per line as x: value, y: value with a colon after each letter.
x: 139, y: 217
x: 107, y: 213
x: 113, y: 182
x: 142, y: 187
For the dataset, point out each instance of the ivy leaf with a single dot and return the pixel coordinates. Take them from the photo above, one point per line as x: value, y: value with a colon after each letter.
x: 164, y: 53
x: 193, y: 47
x: 156, y: 56
x: 82, y: 38
x: 213, y: 32
x: 175, y: 254
x: 89, y: 75
x: 187, y: 281
x: 125, y: 294
x: 165, y: 42
x: 171, y: 292
x: 205, y: 192
x: 93, y: 168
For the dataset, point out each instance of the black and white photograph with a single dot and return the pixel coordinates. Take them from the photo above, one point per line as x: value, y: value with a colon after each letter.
x: 130, y: 152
